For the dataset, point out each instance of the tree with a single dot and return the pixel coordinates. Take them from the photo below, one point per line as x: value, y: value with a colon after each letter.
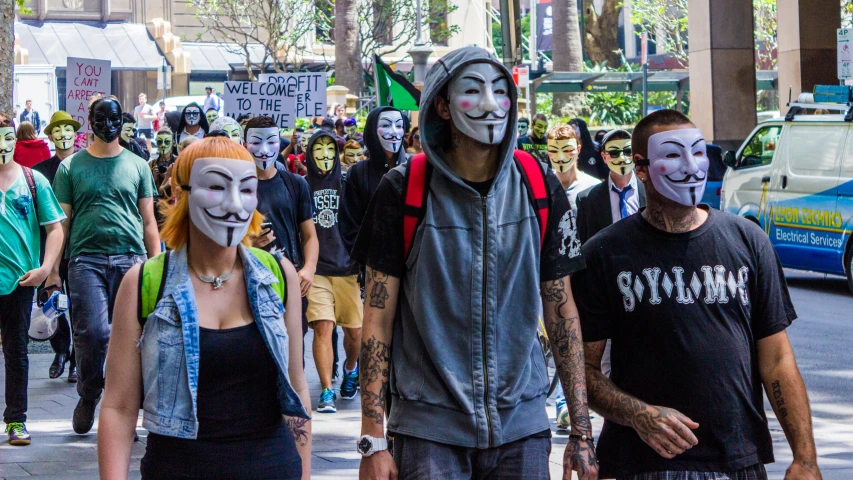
x: 7, y: 57
x: 601, y: 40
x: 570, y: 57
x: 347, y: 53
x: 764, y: 13
x: 275, y: 25
x: 667, y: 17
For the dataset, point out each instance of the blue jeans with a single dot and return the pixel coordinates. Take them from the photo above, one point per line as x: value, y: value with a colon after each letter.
x: 525, y: 459
x: 94, y: 282
x: 15, y: 310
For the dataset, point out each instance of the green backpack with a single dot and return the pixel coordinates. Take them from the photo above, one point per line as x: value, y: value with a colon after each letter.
x: 153, y: 273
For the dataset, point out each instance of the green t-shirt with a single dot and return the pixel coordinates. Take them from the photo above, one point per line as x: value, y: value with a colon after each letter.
x: 104, y: 195
x: 20, y: 239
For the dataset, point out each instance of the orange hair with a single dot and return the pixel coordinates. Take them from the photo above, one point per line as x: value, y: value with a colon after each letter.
x: 176, y: 227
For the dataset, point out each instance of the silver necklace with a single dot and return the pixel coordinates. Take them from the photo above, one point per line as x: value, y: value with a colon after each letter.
x: 215, y: 281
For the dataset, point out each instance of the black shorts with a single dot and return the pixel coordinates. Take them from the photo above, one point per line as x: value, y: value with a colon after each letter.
x: 145, y: 133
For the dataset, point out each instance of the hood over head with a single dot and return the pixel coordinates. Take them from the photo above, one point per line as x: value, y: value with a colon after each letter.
x: 435, y: 130
x: 182, y: 122
x: 376, y: 154
x: 313, y: 170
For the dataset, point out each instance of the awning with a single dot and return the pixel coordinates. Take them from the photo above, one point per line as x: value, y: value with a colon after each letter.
x: 575, y: 82
x: 219, y: 57
x: 127, y: 45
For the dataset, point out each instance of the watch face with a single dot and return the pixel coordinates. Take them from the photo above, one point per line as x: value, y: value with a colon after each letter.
x: 364, y: 445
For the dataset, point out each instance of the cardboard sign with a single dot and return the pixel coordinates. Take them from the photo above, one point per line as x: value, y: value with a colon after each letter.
x: 86, y: 77
x: 284, y: 97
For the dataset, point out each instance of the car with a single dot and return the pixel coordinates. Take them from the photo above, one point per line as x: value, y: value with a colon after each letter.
x: 793, y: 177
x: 716, y: 170
x: 178, y: 103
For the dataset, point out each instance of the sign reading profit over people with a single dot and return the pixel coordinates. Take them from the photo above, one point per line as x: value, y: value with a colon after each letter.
x: 284, y: 97
x: 86, y: 77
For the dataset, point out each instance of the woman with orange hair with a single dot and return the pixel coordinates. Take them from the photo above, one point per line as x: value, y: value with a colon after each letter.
x: 203, y: 337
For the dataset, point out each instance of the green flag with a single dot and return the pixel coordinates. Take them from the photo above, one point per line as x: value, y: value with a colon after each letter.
x: 393, y: 89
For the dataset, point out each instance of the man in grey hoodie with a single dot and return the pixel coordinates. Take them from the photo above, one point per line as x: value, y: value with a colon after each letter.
x: 461, y: 362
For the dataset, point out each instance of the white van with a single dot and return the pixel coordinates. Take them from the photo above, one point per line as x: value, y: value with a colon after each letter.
x: 793, y: 176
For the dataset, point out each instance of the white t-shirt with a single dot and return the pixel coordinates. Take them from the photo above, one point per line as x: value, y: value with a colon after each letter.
x: 199, y: 134
x: 141, y: 122
x: 582, y: 182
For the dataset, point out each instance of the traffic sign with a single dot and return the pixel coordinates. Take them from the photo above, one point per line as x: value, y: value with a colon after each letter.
x: 521, y: 75
x: 845, y: 53
x: 164, y: 77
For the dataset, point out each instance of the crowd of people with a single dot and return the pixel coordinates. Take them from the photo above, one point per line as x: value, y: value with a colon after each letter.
x: 436, y: 249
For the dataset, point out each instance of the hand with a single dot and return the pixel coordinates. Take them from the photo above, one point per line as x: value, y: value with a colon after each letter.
x: 168, y: 173
x: 580, y: 457
x: 53, y: 282
x: 379, y: 466
x: 294, y: 139
x: 34, y: 278
x: 803, y: 470
x: 264, y: 239
x: 306, y: 279
x: 666, y: 430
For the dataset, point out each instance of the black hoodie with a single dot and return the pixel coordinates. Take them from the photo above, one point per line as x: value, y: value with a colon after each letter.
x: 326, y: 191
x: 589, y: 160
x: 363, y: 177
x: 182, y: 123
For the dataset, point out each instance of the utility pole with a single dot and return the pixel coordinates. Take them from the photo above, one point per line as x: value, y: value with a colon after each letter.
x: 511, y: 32
x: 534, y: 56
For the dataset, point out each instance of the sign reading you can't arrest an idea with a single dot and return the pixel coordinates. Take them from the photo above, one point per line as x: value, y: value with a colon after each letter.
x: 284, y: 97
x: 86, y: 77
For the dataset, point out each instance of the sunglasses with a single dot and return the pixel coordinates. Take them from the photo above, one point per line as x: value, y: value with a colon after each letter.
x: 616, y: 153
x: 161, y: 142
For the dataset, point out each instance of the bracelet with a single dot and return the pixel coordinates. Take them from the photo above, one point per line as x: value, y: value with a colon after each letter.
x: 581, y: 438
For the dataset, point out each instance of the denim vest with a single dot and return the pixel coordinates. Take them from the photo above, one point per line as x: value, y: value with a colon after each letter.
x: 169, y: 347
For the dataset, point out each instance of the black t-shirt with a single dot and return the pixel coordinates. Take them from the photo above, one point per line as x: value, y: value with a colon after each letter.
x: 538, y: 147
x: 285, y: 201
x: 684, y: 312
x: 380, y: 241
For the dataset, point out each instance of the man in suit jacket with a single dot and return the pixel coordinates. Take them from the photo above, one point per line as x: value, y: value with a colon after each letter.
x: 618, y: 197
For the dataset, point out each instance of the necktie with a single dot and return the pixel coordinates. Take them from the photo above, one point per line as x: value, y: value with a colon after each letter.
x: 623, y: 201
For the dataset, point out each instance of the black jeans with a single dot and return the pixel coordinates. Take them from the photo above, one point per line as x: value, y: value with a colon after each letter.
x: 94, y: 282
x: 15, y: 310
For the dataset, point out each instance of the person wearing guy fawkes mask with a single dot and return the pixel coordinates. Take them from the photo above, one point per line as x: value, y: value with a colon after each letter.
x: 164, y: 141
x: 62, y: 130
x: 523, y: 127
x: 128, y: 134
x: 384, y: 131
x: 455, y: 318
x: 534, y: 141
x: 192, y: 122
x: 112, y: 230
x: 620, y: 196
x: 334, y: 298
x: 696, y: 304
x: 352, y: 133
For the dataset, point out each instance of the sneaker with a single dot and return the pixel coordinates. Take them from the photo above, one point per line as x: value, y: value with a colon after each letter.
x: 18, y: 434
x: 84, y: 415
x: 349, y: 386
x: 562, y: 414
x: 327, y: 402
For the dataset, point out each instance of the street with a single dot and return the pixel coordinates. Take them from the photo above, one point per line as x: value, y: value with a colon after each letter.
x: 821, y: 338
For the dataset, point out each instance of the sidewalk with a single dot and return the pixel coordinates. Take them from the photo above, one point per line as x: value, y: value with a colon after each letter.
x: 57, y: 452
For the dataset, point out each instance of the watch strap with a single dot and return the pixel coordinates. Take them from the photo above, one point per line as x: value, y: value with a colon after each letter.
x: 379, y: 444
x: 581, y: 438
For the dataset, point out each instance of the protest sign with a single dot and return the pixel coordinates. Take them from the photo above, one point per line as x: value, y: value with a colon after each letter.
x: 284, y: 97
x: 86, y: 77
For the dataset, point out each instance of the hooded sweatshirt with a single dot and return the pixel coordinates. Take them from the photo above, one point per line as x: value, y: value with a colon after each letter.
x: 466, y: 368
x: 326, y: 191
x: 363, y: 177
x: 30, y: 152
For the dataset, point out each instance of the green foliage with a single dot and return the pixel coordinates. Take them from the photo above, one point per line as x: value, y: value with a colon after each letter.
x: 847, y: 13
x: 667, y: 16
x: 765, y: 33
x: 497, y: 39
x: 612, y: 108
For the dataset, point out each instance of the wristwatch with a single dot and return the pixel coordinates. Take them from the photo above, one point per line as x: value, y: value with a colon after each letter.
x: 368, y: 445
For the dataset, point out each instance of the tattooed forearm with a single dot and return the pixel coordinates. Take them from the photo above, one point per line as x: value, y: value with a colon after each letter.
x: 779, y: 401
x: 375, y: 359
x: 378, y: 289
x: 565, y: 337
x: 299, y: 428
x: 604, y: 396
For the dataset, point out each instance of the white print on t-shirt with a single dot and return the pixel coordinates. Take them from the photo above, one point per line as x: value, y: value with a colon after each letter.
x: 719, y: 287
x: 326, y: 205
x: 568, y: 231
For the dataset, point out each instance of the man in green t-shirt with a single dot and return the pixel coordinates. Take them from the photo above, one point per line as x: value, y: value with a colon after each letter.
x: 108, y: 193
x: 21, y: 214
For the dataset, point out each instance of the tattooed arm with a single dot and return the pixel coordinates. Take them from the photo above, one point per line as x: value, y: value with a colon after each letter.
x: 564, y: 333
x: 666, y: 430
x: 787, y: 393
x: 380, y: 306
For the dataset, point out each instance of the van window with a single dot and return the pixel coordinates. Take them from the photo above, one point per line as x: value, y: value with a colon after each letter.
x: 813, y: 149
x: 761, y: 147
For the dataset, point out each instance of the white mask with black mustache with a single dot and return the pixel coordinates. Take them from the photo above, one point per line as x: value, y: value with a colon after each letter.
x: 7, y: 144
x: 263, y: 144
x: 223, y: 198
x: 480, y: 102
x: 678, y: 165
x: 389, y: 128
x: 192, y: 116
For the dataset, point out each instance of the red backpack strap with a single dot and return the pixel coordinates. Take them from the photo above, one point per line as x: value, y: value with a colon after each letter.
x: 417, y: 179
x: 534, y: 179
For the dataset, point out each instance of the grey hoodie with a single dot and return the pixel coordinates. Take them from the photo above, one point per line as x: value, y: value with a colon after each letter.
x: 467, y: 368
